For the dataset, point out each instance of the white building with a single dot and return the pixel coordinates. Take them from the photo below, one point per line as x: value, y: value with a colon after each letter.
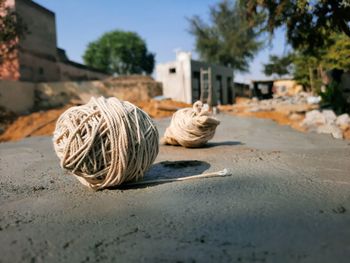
x: 188, y: 80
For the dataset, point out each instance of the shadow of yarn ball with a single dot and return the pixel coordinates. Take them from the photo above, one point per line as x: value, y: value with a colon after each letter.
x: 224, y: 143
x: 181, y: 164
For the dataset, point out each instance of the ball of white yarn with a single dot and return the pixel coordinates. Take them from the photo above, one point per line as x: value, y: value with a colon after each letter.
x: 106, y: 142
x: 191, y: 127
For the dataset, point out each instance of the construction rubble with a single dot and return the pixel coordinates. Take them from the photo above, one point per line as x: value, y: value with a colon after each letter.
x: 327, y: 122
x: 300, y: 111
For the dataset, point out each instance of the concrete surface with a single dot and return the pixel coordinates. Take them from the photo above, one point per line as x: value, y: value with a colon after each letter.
x: 288, y: 200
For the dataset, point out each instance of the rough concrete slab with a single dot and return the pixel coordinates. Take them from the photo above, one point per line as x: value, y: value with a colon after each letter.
x: 288, y: 200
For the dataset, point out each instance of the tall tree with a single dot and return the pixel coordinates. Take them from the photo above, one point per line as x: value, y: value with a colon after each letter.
x: 309, y: 69
x: 338, y: 54
x: 120, y: 52
x: 306, y: 71
x: 308, y: 23
x: 11, y: 27
x: 279, y: 65
x: 228, y: 39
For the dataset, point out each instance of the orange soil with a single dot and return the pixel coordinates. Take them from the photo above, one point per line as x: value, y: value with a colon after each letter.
x: 37, y: 123
x: 276, y: 116
x: 240, y: 100
x: 43, y: 123
x: 160, y: 109
x: 346, y: 134
x: 281, y: 116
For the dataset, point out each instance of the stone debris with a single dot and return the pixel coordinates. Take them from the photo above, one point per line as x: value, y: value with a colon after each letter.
x: 343, y: 121
x: 327, y: 122
x: 285, y: 110
x: 331, y: 129
x: 313, y: 119
x: 313, y: 99
x: 287, y: 105
x: 299, y: 102
x: 300, y: 111
x: 330, y: 116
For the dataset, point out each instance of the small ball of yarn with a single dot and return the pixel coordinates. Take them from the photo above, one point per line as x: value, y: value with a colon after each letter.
x: 106, y: 142
x: 191, y: 127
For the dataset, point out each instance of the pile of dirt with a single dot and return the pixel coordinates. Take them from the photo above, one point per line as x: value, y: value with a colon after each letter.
x: 161, y: 108
x: 130, y: 78
x: 6, y: 118
x: 43, y: 122
x: 131, y: 88
x: 34, y: 124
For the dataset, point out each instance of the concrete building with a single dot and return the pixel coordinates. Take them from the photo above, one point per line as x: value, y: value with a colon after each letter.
x: 242, y: 90
x: 265, y: 89
x: 262, y: 89
x: 37, y: 57
x: 187, y: 80
x: 286, y: 87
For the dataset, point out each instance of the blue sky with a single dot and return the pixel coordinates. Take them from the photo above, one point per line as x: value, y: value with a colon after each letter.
x: 161, y: 23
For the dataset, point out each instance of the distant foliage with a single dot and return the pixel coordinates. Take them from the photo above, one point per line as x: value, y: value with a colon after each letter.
x: 334, y: 60
x: 333, y: 98
x: 337, y: 55
x: 11, y: 28
x: 229, y: 39
x: 308, y: 23
x: 120, y: 52
x: 308, y: 69
x: 279, y: 65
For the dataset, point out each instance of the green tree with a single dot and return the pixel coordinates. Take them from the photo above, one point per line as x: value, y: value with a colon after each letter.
x: 308, y: 23
x: 120, y: 52
x: 338, y: 54
x: 309, y: 69
x: 229, y: 39
x: 11, y: 27
x: 279, y: 65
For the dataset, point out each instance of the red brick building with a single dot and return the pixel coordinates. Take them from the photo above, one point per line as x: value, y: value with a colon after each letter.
x: 38, y: 59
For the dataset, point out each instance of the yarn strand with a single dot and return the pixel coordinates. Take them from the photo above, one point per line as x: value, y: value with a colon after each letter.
x: 222, y: 173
